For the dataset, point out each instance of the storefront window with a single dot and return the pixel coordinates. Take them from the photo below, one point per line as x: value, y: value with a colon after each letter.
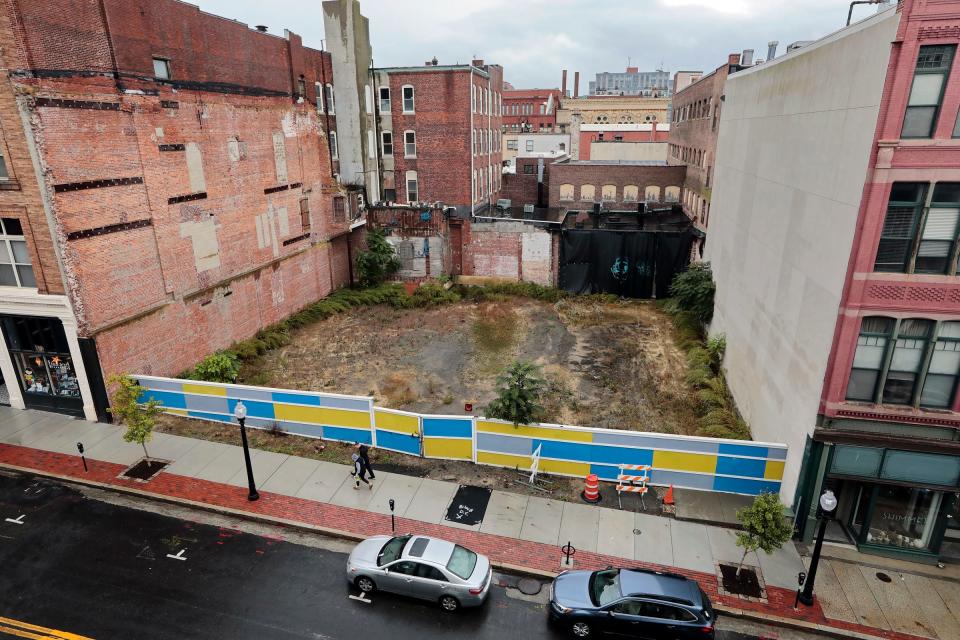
x: 904, y: 517
x: 41, y: 356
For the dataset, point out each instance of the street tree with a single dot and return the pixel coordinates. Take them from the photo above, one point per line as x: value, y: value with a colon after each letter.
x: 138, y: 417
x: 519, y: 389
x: 764, y: 526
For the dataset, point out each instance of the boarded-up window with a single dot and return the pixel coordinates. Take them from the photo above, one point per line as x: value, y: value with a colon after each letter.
x: 630, y: 193
x: 609, y: 192
x: 652, y: 194
x: 672, y: 194
x: 304, y: 213
x: 339, y: 209
x: 588, y: 192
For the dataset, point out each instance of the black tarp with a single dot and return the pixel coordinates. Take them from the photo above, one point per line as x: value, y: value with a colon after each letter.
x: 633, y: 264
x: 469, y: 505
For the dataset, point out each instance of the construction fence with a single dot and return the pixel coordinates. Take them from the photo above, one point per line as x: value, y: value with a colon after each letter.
x: 710, y: 464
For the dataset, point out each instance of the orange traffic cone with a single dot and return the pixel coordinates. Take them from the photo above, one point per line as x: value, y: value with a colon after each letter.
x: 668, y: 499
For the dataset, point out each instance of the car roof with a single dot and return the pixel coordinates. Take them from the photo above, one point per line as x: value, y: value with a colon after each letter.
x: 429, y: 549
x: 654, y: 584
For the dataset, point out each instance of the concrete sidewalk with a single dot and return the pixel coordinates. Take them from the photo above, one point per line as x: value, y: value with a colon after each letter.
x: 300, y: 490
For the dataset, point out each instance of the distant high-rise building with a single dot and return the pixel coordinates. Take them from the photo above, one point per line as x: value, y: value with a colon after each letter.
x: 631, y: 82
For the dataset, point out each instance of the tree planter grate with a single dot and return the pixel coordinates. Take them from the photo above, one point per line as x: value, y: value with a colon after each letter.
x: 144, y: 470
x: 749, y: 585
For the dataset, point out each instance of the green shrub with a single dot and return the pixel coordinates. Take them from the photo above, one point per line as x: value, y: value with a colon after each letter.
x: 378, y: 262
x: 222, y: 366
x: 693, y: 291
x: 519, y: 391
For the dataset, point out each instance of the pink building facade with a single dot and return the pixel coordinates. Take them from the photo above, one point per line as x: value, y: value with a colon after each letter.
x: 887, y: 438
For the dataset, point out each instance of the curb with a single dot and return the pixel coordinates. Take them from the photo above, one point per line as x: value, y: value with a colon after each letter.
x: 788, y: 623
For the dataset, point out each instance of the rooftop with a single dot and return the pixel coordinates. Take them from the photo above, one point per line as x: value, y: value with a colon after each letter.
x: 636, y: 163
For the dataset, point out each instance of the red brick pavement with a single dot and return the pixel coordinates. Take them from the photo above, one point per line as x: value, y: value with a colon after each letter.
x: 500, y: 549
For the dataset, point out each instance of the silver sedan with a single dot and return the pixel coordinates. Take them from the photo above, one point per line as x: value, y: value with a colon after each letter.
x: 421, y: 567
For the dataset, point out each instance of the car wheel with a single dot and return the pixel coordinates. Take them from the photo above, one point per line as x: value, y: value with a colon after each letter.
x: 365, y: 584
x: 449, y: 603
x: 581, y: 629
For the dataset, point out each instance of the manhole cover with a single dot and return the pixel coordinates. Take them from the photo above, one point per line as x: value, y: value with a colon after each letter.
x: 637, y: 532
x: 529, y: 586
x: 883, y: 577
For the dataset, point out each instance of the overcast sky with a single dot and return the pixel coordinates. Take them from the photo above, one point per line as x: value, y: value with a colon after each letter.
x: 535, y: 39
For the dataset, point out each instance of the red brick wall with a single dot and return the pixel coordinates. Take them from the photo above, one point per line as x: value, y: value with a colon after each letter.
x: 520, y: 187
x: 513, y: 250
x: 531, y: 99
x: 580, y: 173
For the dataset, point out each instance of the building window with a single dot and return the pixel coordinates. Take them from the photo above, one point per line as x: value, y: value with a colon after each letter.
x: 512, y: 144
x: 529, y: 169
x: 331, y: 106
x: 609, y: 192
x: 318, y: 89
x: 890, y: 363
x: 161, y: 68
x: 671, y: 194
x: 926, y: 94
x: 386, y: 138
x: 408, y: 102
x: 631, y: 192
x: 385, y: 99
x: 334, y: 152
x: 587, y: 193
x: 339, y: 209
x: 920, y: 229
x: 409, y: 144
x: 4, y: 174
x: 529, y: 145
x: 15, y: 266
x: 305, y: 214
x: 301, y: 88
x: 652, y: 194
x: 413, y: 187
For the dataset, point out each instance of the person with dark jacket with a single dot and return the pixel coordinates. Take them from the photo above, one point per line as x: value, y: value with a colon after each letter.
x: 359, y: 471
x: 364, y: 453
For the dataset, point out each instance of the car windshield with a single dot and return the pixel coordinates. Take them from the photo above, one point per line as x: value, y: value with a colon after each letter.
x: 392, y: 550
x: 462, y: 562
x: 605, y: 587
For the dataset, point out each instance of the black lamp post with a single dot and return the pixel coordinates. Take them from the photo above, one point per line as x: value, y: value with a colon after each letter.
x: 240, y: 413
x: 828, y: 502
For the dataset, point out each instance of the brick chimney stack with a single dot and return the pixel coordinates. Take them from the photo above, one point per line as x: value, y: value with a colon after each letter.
x: 576, y: 84
x: 563, y: 84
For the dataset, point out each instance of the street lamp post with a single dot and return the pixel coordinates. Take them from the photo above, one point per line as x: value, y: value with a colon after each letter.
x: 828, y: 502
x: 240, y: 413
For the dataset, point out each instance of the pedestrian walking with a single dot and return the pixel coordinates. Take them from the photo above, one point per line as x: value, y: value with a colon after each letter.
x: 365, y: 456
x: 359, y: 472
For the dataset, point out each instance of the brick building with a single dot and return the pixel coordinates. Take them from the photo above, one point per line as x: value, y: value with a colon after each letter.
x: 167, y: 189
x: 578, y: 184
x: 439, y: 131
x: 529, y: 110
x: 693, y: 137
x: 834, y: 246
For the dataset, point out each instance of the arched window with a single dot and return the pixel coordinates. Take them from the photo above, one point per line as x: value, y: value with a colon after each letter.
x: 588, y: 193
x: 368, y: 99
x: 631, y: 193
x: 652, y: 194
x: 318, y: 89
x: 566, y: 192
x: 609, y: 192
x: 671, y: 194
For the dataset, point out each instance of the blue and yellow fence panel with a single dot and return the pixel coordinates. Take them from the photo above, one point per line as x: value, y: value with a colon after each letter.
x: 306, y: 413
x: 448, y: 437
x: 397, y: 430
x: 710, y: 464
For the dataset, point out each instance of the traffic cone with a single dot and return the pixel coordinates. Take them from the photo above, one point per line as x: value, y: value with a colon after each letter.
x: 668, y: 499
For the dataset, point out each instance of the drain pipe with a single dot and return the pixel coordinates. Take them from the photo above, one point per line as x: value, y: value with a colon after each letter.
x: 856, y: 2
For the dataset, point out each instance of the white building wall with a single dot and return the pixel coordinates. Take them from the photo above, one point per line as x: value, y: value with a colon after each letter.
x: 794, y: 142
x: 542, y: 143
x: 649, y: 151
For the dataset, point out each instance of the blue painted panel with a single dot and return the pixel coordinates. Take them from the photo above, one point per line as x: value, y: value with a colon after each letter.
x: 743, y: 450
x: 255, y: 408
x: 309, y: 430
x: 218, y: 417
x: 628, y: 439
x: 682, y: 479
x: 604, y: 472
x: 398, y: 442
x: 620, y: 455
x: 748, y: 487
x: 296, y: 398
x: 741, y: 467
x: 169, y: 399
x: 447, y: 428
x: 347, y: 435
x: 575, y: 451
x: 504, y: 444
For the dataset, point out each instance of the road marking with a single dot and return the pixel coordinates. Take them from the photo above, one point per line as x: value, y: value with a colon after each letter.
x: 27, y: 630
x: 361, y: 598
x: 179, y: 555
x: 17, y: 520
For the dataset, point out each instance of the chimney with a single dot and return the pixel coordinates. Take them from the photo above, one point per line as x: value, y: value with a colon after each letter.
x: 478, y: 63
x: 576, y: 84
x: 772, y: 50
x: 563, y: 84
x: 262, y: 28
x: 733, y: 58
x: 746, y: 59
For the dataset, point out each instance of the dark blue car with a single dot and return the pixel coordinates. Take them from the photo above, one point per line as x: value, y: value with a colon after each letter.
x: 631, y: 603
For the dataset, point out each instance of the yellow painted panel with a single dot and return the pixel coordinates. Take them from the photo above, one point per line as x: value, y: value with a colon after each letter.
x: 203, y: 389
x: 562, y: 466
x: 504, y: 460
x: 535, y: 432
x: 176, y: 412
x: 321, y: 415
x: 397, y: 422
x: 448, y: 448
x: 774, y: 470
x: 681, y: 461
x: 49, y: 633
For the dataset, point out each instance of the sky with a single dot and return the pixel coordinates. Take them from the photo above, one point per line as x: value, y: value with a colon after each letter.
x: 534, y: 40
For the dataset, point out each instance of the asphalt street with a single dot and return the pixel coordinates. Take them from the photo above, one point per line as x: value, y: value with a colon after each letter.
x: 105, y: 566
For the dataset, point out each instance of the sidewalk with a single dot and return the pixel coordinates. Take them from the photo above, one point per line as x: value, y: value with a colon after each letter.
x: 518, y: 532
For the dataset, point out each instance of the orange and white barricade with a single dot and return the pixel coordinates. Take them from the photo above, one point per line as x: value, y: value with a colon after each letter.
x: 633, y: 478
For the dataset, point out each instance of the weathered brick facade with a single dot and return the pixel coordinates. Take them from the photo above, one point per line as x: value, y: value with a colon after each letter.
x: 655, y: 183
x: 189, y: 211
x: 522, y: 188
